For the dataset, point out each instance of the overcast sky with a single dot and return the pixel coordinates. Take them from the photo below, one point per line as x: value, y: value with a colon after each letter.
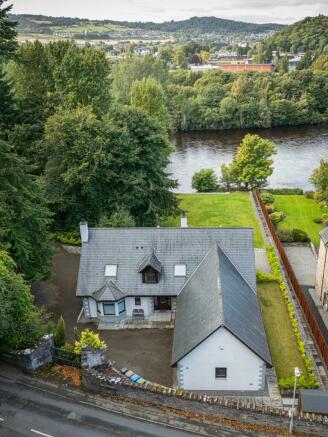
x: 260, y: 11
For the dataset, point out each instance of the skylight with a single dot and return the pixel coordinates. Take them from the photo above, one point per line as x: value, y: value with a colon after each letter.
x: 111, y: 270
x: 180, y: 270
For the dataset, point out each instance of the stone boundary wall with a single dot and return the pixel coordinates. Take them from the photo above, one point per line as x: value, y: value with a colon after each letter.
x: 32, y: 358
x: 116, y: 384
x: 92, y: 357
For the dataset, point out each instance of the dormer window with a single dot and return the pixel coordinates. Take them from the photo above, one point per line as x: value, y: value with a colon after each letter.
x: 150, y: 268
x: 149, y: 276
x: 180, y: 270
x: 111, y: 270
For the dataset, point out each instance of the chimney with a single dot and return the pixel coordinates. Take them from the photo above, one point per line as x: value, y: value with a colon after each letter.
x: 84, y: 231
x: 184, y: 221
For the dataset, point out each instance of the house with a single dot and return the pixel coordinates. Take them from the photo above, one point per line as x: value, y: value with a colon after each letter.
x: 313, y: 402
x: 246, y: 67
x: 321, y: 285
x: 203, y: 278
x: 142, y: 51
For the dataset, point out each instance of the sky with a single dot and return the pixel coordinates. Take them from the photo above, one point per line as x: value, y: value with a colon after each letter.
x: 259, y: 11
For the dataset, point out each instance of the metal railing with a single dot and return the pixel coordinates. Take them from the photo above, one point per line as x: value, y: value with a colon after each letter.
x: 315, y: 329
x: 64, y: 356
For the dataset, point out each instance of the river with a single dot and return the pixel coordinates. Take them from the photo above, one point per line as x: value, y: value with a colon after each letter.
x: 299, y: 150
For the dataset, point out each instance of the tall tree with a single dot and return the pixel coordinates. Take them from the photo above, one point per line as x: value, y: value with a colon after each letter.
x: 319, y: 179
x: 8, y: 113
x: 21, y: 323
x: 97, y: 167
x: 133, y: 68
x: 148, y: 94
x: 25, y: 218
x: 83, y: 79
x: 252, y: 164
x: 8, y: 43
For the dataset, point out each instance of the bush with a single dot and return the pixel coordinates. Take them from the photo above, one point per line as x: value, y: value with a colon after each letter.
x: 267, y: 198
x: 204, y: 180
x: 269, y: 208
x: 300, y: 236
x: 309, y: 194
x: 263, y: 277
x: 276, y: 217
x: 285, y: 235
x: 60, y: 333
x: 318, y: 220
x: 90, y: 339
x: 324, y: 219
x: 119, y: 219
x: 72, y: 238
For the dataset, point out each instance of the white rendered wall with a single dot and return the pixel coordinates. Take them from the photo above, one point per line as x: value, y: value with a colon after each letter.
x: 147, y: 304
x: 321, y: 285
x: 196, y: 371
x: 93, y: 307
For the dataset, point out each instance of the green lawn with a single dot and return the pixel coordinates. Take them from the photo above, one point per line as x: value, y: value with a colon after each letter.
x: 300, y: 213
x: 281, y: 337
x: 226, y: 210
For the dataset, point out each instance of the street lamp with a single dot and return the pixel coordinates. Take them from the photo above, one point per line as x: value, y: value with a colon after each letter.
x: 297, y: 374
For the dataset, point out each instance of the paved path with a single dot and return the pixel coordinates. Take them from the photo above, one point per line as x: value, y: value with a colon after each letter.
x: 303, y: 262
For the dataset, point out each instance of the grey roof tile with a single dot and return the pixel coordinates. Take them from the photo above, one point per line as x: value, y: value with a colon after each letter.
x: 218, y: 295
x: 128, y: 247
x: 109, y: 291
x: 152, y: 261
x: 324, y: 236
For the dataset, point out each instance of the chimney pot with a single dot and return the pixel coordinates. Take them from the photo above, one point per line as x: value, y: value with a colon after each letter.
x: 84, y: 231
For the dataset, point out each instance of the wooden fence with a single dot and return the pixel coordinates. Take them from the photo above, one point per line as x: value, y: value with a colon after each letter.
x: 317, y: 334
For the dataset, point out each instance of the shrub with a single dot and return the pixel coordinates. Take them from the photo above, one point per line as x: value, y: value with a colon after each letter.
x: 324, y: 219
x: 309, y: 194
x: 60, y: 333
x: 285, y: 235
x: 90, y: 339
x: 267, y: 198
x: 72, y: 238
x: 204, y: 180
x: 276, y: 217
x: 119, y: 219
x: 263, y: 277
x: 269, y: 208
x: 318, y: 220
x: 300, y: 236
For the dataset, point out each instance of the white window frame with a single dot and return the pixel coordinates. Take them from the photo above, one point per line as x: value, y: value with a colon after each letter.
x: 180, y: 271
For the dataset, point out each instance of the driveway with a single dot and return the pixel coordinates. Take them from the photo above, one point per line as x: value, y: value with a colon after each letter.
x: 145, y: 351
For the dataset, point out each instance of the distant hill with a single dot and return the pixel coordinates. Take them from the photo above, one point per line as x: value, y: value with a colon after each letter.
x: 308, y: 34
x: 205, y: 25
x: 47, y: 25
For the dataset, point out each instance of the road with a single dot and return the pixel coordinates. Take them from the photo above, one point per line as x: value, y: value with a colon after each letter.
x: 27, y: 411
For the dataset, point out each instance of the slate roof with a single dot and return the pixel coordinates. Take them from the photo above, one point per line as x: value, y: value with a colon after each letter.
x: 128, y: 247
x: 324, y: 236
x: 314, y: 401
x: 152, y: 261
x: 109, y: 291
x: 218, y: 295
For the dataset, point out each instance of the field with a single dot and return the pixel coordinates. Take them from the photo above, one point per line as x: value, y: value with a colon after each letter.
x: 281, y: 337
x: 211, y: 210
x: 300, y: 213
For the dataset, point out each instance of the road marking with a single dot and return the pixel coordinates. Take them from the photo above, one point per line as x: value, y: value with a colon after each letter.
x: 40, y: 433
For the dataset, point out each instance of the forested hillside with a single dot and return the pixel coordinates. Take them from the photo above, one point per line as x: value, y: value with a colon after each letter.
x: 308, y: 34
x: 47, y: 25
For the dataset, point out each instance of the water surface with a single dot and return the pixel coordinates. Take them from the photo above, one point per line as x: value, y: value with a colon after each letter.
x: 299, y: 150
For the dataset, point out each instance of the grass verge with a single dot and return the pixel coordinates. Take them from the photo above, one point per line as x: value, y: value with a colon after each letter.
x: 280, y: 334
x: 211, y: 210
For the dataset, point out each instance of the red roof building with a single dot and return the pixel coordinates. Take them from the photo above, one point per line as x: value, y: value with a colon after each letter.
x: 246, y: 67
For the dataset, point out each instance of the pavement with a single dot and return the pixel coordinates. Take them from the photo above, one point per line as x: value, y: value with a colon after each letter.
x: 261, y: 261
x: 34, y: 407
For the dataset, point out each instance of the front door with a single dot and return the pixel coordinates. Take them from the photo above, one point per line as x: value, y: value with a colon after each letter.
x: 162, y: 303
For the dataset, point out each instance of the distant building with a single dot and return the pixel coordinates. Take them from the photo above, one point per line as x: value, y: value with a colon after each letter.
x: 142, y: 51
x: 246, y: 67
